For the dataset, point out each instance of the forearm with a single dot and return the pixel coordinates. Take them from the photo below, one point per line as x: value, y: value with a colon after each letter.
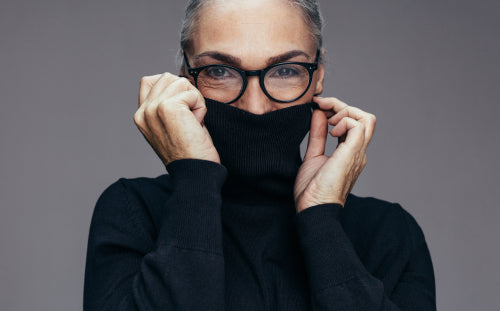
x: 182, y: 268
x: 339, y: 280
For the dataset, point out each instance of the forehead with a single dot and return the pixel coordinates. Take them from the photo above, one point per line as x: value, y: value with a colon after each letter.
x: 252, y: 28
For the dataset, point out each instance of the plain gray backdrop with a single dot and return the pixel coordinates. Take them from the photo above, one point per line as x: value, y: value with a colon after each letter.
x: 70, y: 71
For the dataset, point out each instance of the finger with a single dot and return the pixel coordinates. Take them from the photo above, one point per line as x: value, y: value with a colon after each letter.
x: 191, y: 101
x: 348, y: 158
x: 348, y: 111
x: 153, y: 124
x: 359, y: 115
x: 162, y: 83
x: 195, y: 103
x: 145, y: 86
x: 368, y: 119
x: 369, y: 122
x: 354, y: 131
x: 140, y: 121
x: 330, y: 105
x: 180, y: 84
x: 317, y: 135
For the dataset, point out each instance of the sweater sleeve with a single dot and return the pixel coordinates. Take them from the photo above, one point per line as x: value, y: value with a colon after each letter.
x: 339, y: 280
x: 182, y: 268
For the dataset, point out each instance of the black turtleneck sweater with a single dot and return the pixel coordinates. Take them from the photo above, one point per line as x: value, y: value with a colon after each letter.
x: 208, y: 236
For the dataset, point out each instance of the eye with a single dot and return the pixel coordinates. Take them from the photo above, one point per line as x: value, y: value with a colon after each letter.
x: 284, y: 72
x: 219, y: 72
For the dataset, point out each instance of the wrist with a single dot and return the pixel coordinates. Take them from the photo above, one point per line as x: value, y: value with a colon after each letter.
x: 197, y: 174
x: 305, y: 203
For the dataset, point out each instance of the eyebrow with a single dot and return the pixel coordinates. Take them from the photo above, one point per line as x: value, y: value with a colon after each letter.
x: 235, y: 61
x: 226, y: 58
x: 286, y: 56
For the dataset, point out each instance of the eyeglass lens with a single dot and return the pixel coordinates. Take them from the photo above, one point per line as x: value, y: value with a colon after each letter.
x: 284, y: 82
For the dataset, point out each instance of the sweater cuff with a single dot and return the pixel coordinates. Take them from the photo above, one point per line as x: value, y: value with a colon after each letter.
x: 329, y: 256
x: 196, y: 173
x: 192, y: 213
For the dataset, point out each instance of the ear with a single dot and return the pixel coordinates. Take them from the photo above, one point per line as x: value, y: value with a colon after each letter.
x: 320, y: 74
x: 183, y: 71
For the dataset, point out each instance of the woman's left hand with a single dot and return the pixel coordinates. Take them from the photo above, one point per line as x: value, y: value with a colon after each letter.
x: 322, y: 179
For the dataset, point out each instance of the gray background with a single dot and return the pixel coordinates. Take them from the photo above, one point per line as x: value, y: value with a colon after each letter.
x: 70, y: 73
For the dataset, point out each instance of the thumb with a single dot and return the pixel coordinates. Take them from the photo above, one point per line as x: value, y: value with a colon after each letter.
x: 317, y: 135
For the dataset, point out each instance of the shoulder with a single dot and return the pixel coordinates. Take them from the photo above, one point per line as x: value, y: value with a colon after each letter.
x: 132, y: 202
x: 143, y: 189
x: 386, y: 237
x: 371, y: 217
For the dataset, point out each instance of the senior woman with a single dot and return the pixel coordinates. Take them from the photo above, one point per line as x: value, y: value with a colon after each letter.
x: 241, y: 222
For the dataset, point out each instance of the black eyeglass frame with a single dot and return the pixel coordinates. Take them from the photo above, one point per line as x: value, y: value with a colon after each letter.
x: 311, y: 67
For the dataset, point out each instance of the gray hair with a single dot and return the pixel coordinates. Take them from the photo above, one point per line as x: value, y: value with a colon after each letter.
x: 310, y: 9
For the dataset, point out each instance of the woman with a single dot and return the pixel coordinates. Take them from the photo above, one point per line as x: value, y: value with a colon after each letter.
x: 241, y: 222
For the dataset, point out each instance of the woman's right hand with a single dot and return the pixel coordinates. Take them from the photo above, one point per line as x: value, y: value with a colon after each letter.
x: 170, y: 116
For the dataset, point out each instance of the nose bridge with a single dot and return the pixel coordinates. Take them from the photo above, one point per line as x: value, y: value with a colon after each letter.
x: 254, y: 99
x: 252, y: 73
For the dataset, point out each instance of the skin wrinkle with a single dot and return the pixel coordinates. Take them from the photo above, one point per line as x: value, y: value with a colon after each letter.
x: 256, y: 49
x: 171, y: 120
x: 309, y: 11
x: 281, y: 29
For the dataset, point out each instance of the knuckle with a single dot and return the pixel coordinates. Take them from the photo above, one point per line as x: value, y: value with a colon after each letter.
x: 351, y: 112
x: 170, y: 78
x: 188, y: 97
x: 183, y: 80
x: 145, y: 80
x: 138, y: 117
x: 176, y: 82
x: 150, y: 111
x: 203, y: 109
x: 181, y: 84
x: 139, y: 122
x: 168, y: 75
x: 164, y: 108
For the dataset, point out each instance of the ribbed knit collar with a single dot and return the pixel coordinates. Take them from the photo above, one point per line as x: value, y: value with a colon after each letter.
x: 260, y: 152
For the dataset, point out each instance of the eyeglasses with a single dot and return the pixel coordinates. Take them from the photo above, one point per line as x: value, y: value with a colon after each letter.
x: 282, y: 82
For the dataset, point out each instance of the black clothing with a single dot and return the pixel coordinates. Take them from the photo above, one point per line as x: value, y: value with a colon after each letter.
x: 204, y: 237
x: 260, y: 152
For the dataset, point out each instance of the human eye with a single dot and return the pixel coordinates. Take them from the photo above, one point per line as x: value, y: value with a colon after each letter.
x: 219, y: 73
x: 285, y: 72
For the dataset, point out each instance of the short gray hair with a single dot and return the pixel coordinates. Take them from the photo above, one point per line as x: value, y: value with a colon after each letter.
x: 310, y: 9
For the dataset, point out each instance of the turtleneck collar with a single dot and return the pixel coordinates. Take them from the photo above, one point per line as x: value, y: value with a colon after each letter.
x: 260, y: 152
